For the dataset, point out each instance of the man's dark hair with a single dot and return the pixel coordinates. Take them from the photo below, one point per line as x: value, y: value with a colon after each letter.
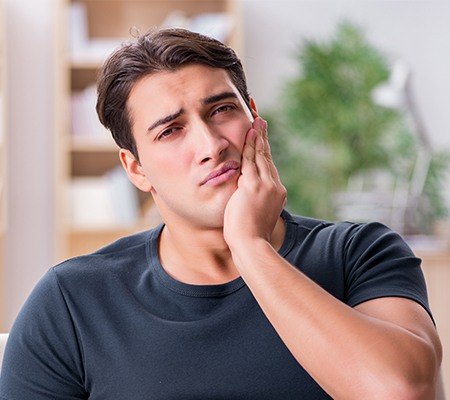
x: 156, y: 51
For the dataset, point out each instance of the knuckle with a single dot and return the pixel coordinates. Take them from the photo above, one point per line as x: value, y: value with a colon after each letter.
x: 272, y: 189
x: 253, y: 186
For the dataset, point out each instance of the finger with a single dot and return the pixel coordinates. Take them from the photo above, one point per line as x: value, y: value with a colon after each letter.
x: 273, y: 168
x: 262, y: 126
x: 248, y: 166
x: 261, y: 156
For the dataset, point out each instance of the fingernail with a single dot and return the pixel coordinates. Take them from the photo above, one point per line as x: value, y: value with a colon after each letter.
x: 252, y: 134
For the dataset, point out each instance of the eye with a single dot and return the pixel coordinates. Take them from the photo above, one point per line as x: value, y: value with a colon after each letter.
x: 168, y: 132
x: 224, y: 108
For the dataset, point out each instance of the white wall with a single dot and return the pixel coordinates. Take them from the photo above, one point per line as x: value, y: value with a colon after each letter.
x: 29, y: 240
x: 416, y: 31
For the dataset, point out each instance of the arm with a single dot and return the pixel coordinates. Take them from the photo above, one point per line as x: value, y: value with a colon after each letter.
x: 42, y: 357
x: 383, y: 348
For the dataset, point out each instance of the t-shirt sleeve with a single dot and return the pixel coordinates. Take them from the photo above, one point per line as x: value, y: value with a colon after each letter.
x: 42, y: 357
x: 379, y: 263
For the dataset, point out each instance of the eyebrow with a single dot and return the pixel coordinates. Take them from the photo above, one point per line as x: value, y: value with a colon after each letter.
x: 207, y: 100
x: 165, y: 120
x: 218, y: 97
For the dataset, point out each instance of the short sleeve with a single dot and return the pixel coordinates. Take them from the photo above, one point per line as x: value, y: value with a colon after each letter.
x: 43, y: 357
x: 379, y: 263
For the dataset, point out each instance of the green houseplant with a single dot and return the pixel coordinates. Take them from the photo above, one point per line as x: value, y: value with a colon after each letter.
x: 329, y: 130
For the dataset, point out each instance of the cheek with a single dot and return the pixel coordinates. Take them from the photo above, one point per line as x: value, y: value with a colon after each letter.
x: 161, y: 168
x: 167, y: 164
x: 238, y: 133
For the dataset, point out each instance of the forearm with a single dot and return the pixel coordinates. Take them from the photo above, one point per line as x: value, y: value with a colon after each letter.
x: 350, y: 354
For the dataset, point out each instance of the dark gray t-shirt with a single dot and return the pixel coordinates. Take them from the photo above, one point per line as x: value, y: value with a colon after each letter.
x: 114, y: 325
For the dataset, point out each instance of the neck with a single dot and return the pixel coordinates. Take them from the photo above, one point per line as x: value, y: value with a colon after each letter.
x: 201, y: 256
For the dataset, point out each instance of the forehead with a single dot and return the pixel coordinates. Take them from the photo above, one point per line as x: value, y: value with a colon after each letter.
x: 187, y: 84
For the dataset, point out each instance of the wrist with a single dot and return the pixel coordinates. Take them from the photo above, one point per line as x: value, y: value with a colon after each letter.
x: 246, y: 249
x: 242, y: 244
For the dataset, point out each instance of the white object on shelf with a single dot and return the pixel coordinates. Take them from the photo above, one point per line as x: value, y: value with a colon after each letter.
x: 78, y: 27
x: 176, y: 19
x: 108, y: 201
x: 82, y: 48
x: 123, y: 197
x: 95, y: 51
x: 85, y: 121
x: 216, y: 25
x: 91, y: 205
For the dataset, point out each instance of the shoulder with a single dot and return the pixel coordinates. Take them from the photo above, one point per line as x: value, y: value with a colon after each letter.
x: 345, y: 248
x: 116, y: 258
x: 347, y: 235
x: 357, y: 262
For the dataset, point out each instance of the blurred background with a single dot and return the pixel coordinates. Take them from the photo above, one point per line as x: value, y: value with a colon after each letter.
x: 356, y: 94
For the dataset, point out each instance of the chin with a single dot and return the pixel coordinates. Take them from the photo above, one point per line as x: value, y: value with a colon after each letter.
x: 212, y: 215
x: 207, y: 214
x: 214, y: 219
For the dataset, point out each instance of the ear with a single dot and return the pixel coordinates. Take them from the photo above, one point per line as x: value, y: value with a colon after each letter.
x: 253, y: 108
x: 134, y: 170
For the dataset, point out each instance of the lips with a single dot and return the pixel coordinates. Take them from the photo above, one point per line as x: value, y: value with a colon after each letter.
x: 227, y: 166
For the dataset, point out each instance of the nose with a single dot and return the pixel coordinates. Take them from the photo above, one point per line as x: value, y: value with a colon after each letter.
x: 210, y: 143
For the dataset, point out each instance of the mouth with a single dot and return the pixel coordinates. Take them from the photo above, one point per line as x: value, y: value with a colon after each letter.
x: 222, y: 174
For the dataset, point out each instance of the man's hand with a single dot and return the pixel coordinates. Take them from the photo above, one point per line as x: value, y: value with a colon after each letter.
x: 385, y: 348
x: 255, y: 206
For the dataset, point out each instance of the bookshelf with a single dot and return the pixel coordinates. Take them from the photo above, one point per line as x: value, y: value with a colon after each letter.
x: 86, y: 155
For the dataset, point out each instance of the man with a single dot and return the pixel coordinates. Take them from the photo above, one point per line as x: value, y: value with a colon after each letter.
x: 232, y: 297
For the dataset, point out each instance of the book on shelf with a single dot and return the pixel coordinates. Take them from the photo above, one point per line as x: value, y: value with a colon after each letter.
x: 123, y: 197
x: 217, y: 25
x: 82, y: 47
x: 85, y: 122
x: 102, y: 202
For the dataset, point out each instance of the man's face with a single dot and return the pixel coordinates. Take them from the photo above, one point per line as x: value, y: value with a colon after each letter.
x: 187, y: 125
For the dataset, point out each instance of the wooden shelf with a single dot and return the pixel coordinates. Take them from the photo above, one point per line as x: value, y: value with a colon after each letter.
x: 84, y: 240
x: 92, y: 163
x: 81, y: 78
x: 94, y: 144
x: 84, y: 65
